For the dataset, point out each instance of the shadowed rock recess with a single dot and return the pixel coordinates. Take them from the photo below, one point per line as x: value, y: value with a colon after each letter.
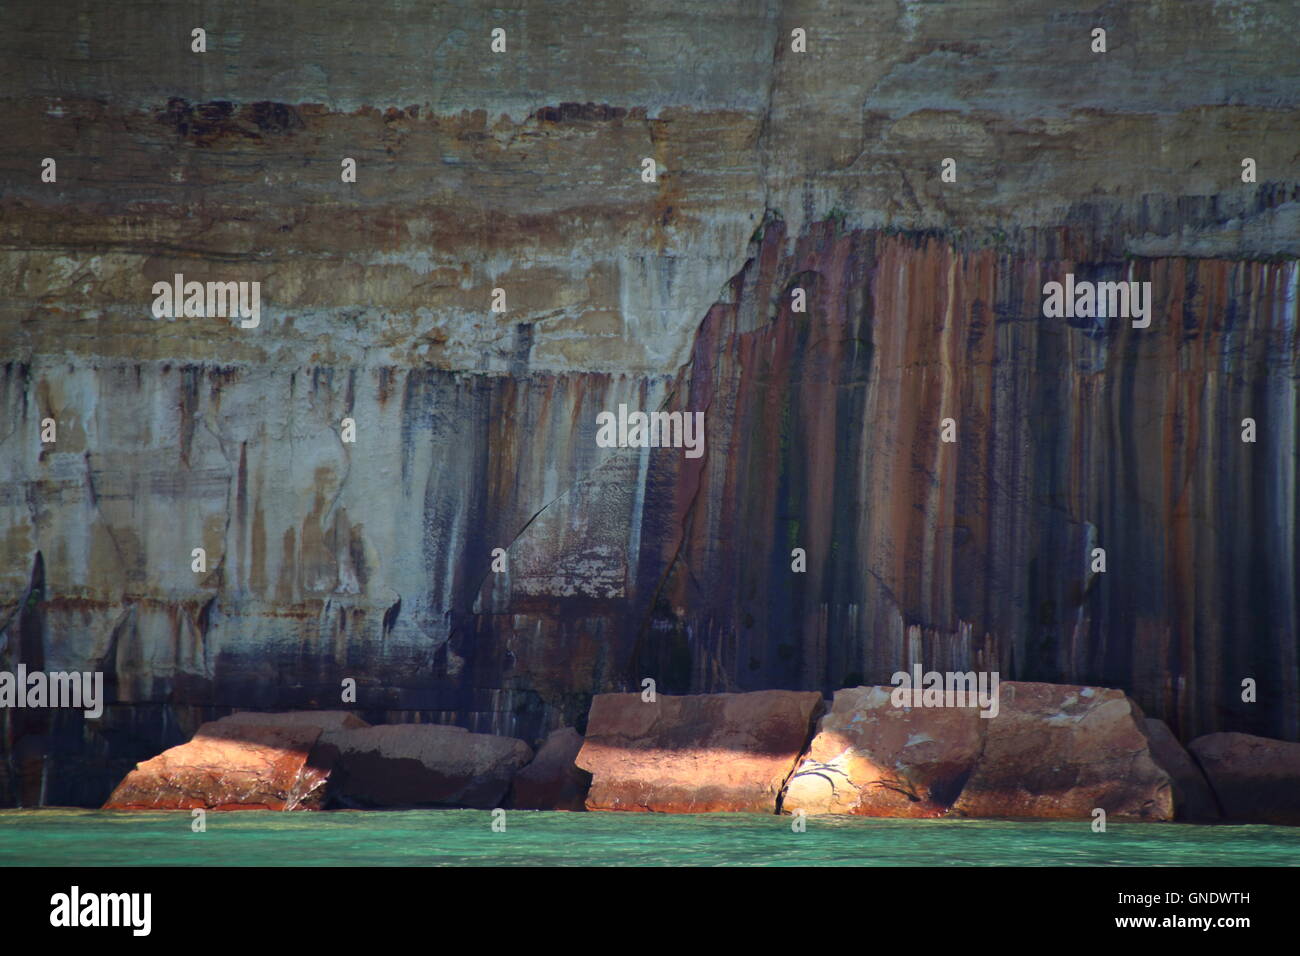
x: 476, y: 429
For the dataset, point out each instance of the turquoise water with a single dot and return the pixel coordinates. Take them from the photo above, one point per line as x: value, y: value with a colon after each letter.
x: 466, y: 838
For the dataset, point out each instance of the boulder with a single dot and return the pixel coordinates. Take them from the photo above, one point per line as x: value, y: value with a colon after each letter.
x: 695, y: 754
x: 1257, y: 779
x: 1059, y: 751
x: 1193, y: 799
x: 229, y: 766
x: 553, y: 781
x: 420, y: 765
x: 871, y: 758
x: 322, y: 720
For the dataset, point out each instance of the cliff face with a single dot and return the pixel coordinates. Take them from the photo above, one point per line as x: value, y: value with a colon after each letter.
x: 476, y: 429
x: 825, y: 432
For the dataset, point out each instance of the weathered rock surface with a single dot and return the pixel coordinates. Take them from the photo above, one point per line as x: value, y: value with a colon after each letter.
x: 476, y: 429
x: 1194, y: 801
x: 1052, y: 751
x: 420, y: 765
x: 1058, y: 751
x: 695, y: 754
x: 553, y: 781
x: 1256, y: 780
x: 874, y: 759
x: 230, y: 766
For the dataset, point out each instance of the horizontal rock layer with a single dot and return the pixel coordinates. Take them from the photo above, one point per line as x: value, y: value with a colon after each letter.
x: 476, y: 430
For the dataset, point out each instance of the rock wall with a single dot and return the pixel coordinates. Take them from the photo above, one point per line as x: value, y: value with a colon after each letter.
x: 476, y: 430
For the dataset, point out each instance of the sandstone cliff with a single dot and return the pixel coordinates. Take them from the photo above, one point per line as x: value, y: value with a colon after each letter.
x: 475, y: 430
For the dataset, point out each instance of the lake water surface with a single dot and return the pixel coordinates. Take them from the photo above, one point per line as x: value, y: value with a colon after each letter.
x: 466, y: 838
